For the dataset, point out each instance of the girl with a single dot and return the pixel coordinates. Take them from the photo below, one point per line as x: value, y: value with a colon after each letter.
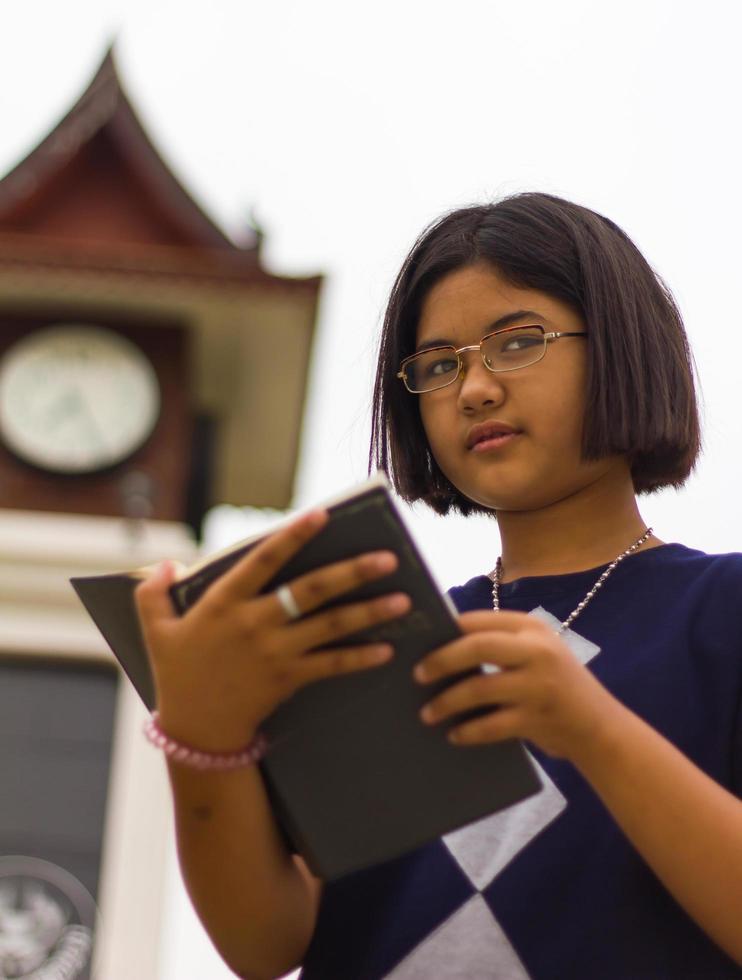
x: 532, y: 367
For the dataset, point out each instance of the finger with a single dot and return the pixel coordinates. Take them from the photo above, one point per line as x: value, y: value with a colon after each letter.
x: 505, y: 622
x: 319, y: 587
x: 505, y: 651
x: 152, y: 597
x: 493, y: 727
x: 343, y: 620
x: 474, y: 692
x: 342, y: 660
x: 248, y: 576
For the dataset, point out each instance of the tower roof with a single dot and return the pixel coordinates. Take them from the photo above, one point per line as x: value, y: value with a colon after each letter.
x: 102, y: 126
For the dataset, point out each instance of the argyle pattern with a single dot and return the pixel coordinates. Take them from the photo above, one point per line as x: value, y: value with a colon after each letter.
x: 469, y: 940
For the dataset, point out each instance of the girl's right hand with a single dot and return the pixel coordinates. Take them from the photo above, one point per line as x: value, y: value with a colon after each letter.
x: 234, y: 656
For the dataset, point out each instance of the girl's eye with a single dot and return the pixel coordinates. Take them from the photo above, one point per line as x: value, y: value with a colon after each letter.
x: 520, y: 342
x: 437, y: 366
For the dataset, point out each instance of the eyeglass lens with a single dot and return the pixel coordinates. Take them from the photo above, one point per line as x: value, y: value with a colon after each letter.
x: 504, y: 351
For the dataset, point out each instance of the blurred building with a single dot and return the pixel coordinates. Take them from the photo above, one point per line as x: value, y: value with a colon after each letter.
x: 149, y: 367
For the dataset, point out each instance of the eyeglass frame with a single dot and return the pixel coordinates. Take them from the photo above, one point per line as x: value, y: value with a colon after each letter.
x: 458, y: 351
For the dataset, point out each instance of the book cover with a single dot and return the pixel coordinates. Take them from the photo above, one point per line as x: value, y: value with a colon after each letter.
x: 355, y: 778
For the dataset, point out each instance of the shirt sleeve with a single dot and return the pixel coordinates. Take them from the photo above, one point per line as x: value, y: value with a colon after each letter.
x: 737, y: 746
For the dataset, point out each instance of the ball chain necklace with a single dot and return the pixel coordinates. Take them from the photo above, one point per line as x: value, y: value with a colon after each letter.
x: 598, y: 585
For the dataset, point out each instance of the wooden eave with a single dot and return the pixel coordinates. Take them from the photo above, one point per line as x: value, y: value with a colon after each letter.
x: 202, y: 266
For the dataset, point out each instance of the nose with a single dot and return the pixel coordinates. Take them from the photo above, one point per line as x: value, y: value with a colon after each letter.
x: 478, y: 386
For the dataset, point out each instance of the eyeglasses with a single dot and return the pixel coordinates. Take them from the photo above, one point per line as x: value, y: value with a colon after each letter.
x: 504, y: 350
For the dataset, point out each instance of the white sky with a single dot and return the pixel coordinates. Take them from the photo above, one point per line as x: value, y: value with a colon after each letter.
x: 349, y: 126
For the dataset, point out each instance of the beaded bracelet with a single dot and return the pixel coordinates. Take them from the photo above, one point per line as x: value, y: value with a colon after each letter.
x: 196, y: 758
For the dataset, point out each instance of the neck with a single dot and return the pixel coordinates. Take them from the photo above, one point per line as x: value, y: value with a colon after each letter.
x: 586, y: 529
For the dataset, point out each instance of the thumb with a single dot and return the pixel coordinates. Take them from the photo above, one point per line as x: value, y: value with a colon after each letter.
x: 152, y: 597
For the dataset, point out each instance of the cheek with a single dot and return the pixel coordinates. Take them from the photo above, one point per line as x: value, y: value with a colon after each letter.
x: 558, y: 414
x: 566, y: 420
x: 434, y: 424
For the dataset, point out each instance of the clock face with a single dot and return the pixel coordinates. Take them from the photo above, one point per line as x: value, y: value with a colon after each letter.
x: 75, y: 399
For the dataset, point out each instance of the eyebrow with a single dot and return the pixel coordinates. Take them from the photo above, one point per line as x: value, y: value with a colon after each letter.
x: 504, y: 321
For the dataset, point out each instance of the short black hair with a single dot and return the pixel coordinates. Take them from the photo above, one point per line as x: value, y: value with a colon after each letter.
x: 640, y: 399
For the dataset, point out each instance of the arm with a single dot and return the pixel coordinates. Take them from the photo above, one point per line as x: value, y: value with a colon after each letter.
x: 686, y: 827
x: 258, y: 905
x: 219, y: 670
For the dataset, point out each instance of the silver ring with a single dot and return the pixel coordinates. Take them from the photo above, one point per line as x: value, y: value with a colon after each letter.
x: 288, y: 603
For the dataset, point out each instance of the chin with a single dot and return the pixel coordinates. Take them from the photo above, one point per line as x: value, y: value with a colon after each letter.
x: 516, y: 499
x: 502, y: 502
x: 505, y: 489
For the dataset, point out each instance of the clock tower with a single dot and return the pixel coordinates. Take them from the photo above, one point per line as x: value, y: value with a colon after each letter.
x: 149, y: 367
x: 148, y: 364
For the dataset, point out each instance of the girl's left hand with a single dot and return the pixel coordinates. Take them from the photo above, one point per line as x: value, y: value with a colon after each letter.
x: 541, y: 692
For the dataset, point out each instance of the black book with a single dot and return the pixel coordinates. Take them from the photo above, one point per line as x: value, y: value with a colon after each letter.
x: 354, y: 777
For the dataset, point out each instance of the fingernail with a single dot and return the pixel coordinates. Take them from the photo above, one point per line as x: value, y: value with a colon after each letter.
x: 382, y: 652
x: 398, y: 603
x: 426, y: 713
x: 385, y: 561
x: 420, y: 673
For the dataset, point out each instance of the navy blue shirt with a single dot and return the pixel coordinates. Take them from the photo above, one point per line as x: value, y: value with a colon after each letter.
x: 550, y: 889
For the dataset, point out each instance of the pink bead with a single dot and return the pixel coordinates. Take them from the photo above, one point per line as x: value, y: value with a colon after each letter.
x: 198, y: 759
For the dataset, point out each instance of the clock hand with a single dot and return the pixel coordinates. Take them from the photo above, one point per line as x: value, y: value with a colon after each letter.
x: 73, y: 404
x: 92, y: 421
x: 61, y: 409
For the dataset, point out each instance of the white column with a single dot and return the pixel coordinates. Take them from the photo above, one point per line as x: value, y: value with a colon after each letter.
x: 40, y: 615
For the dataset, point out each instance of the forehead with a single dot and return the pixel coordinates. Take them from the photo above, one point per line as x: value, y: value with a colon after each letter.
x: 469, y: 300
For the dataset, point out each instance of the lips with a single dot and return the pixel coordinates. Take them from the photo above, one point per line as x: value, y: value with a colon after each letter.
x: 489, y: 432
